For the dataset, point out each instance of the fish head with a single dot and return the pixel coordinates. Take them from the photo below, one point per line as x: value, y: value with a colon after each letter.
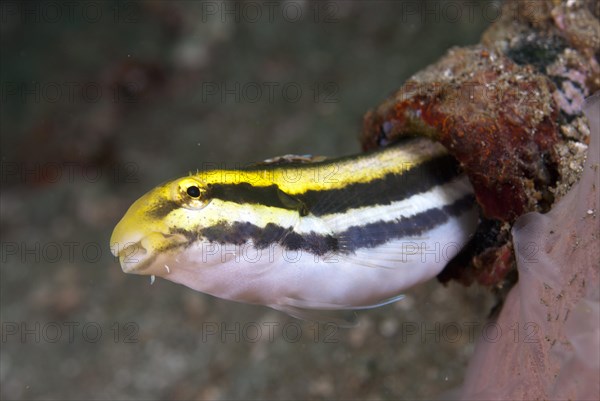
x: 160, y: 223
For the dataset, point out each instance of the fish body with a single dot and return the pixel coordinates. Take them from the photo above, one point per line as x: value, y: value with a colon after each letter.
x: 348, y: 233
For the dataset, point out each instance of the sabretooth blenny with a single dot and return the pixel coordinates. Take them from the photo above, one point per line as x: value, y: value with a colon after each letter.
x: 348, y: 233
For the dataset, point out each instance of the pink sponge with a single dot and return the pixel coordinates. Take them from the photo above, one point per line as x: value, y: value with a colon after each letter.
x: 546, y: 341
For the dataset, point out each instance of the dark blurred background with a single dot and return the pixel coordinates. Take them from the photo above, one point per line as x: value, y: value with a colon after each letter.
x: 102, y: 100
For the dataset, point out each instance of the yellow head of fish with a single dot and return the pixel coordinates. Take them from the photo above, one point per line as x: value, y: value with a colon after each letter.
x: 155, y: 224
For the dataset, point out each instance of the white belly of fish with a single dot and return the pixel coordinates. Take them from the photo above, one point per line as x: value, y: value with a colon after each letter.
x: 287, y: 280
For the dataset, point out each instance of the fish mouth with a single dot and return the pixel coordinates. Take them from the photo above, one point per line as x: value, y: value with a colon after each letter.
x: 134, y: 257
x: 138, y: 257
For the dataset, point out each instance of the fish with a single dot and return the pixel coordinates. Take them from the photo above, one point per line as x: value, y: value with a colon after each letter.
x: 305, y: 235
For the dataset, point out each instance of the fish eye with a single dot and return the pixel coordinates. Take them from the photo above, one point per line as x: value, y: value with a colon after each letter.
x: 193, y: 191
x: 189, y: 192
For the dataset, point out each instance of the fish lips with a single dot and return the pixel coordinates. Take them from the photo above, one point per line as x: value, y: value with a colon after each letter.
x: 138, y: 257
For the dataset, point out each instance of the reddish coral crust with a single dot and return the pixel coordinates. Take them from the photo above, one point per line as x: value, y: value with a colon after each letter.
x: 509, y: 110
x: 497, y: 118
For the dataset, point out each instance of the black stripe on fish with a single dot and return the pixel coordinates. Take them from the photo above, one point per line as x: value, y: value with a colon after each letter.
x: 382, y: 191
x: 163, y: 208
x: 368, y: 236
x: 378, y: 233
x: 244, y: 192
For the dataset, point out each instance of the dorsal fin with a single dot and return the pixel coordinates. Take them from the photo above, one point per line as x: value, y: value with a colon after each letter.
x: 289, y: 159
